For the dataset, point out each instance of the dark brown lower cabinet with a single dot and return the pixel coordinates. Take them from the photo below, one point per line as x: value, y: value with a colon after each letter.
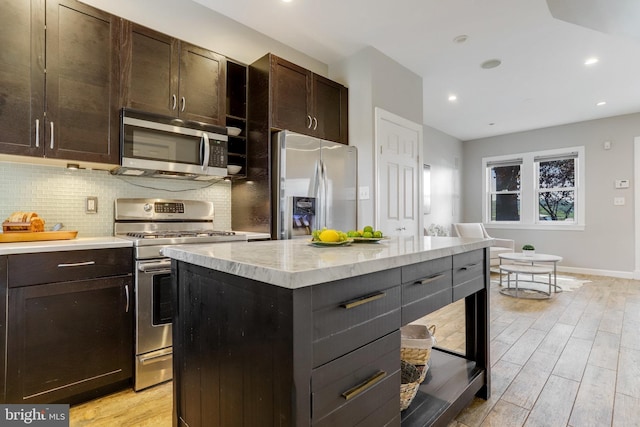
x: 69, y: 341
x: 253, y: 354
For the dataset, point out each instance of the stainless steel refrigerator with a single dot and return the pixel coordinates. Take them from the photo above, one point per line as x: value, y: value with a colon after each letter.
x: 314, y: 185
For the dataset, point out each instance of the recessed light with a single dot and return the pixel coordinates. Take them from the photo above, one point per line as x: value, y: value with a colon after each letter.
x: 601, y: 103
x: 461, y: 38
x: 491, y: 63
x: 286, y: 1
x: 452, y: 98
x: 591, y: 61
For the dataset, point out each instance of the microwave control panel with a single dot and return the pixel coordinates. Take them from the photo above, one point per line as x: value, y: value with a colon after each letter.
x: 218, y: 154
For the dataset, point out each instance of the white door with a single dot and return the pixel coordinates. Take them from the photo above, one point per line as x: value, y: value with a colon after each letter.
x: 398, y: 153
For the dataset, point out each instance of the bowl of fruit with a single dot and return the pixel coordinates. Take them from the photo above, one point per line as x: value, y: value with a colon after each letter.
x: 329, y: 237
x: 366, y: 235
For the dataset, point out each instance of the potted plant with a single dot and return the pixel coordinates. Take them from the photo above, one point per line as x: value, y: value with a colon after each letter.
x: 528, y: 250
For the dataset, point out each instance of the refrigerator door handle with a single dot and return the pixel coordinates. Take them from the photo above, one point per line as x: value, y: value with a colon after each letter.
x: 323, y: 199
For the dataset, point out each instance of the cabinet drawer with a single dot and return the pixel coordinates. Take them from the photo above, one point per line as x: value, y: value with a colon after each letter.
x: 348, y: 314
x: 67, y: 266
x: 345, y: 390
x: 424, y: 270
x: 468, y: 273
x: 426, y: 287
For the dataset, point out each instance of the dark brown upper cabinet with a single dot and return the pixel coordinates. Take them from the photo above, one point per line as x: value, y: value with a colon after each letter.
x: 59, y: 83
x: 307, y: 103
x: 167, y: 76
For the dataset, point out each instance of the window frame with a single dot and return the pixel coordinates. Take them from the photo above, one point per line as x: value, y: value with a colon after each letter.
x: 529, y: 202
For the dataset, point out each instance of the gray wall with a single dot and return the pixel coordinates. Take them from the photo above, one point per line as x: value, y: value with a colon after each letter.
x: 375, y: 80
x: 607, y: 244
x: 444, y: 154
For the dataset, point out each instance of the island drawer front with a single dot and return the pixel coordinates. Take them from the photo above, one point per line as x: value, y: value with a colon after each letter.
x: 424, y: 270
x: 338, y: 330
x: 420, y: 308
x: 67, y: 266
x: 468, y: 273
x: 336, y: 398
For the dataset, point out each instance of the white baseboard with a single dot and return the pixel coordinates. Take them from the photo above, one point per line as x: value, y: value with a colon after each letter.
x: 597, y: 272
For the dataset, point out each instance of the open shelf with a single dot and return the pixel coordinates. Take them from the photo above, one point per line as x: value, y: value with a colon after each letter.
x: 451, y: 383
x: 237, y: 116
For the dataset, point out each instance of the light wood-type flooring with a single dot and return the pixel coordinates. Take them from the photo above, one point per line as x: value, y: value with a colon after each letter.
x: 572, y: 360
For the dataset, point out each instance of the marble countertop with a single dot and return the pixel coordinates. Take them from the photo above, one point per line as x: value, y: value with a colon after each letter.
x: 80, y: 243
x: 296, y: 263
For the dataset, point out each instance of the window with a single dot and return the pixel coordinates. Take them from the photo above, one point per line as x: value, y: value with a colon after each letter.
x: 556, y: 188
x: 535, y: 190
x: 505, y: 191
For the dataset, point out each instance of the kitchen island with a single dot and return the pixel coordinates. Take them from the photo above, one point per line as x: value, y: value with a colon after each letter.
x: 283, y: 333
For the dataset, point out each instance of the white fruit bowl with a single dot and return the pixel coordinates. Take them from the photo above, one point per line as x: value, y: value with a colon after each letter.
x: 233, y: 169
x: 233, y: 131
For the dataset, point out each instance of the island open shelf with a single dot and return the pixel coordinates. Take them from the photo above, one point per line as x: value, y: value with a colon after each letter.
x: 451, y: 383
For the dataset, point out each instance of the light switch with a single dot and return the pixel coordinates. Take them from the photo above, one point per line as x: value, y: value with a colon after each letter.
x: 618, y: 201
x: 622, y: 183
x: 92, y: 205
x: 363, y: 193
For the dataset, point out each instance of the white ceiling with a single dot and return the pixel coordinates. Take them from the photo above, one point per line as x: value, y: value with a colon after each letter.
x: 542, y: 80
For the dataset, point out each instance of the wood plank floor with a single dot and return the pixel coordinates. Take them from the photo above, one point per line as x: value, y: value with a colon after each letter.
x: 573, y: 360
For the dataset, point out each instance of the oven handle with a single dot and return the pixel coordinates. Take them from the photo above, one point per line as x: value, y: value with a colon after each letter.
x: 155, y: 267
x: 156, y: 359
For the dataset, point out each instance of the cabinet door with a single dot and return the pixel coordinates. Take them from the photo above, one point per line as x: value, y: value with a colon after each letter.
x: 22, y: 77
x: 68, y: 338
x: 291, y: 96
x: 330, y: 109
x: 202, y: 85
x: 150, y: 70
x: 82, y: 83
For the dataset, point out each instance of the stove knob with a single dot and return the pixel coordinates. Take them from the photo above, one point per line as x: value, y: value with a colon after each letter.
x: 148, y: 207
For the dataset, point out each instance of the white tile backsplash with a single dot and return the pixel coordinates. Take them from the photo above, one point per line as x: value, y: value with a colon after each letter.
x: 59, y: 195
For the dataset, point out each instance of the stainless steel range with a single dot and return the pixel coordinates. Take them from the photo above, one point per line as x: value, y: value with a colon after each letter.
x: 153, y: 224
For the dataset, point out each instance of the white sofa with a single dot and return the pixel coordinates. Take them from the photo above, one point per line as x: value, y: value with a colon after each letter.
x: 477, y: 230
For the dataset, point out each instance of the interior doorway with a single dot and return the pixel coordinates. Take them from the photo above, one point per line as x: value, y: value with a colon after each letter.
x: 398, y: 174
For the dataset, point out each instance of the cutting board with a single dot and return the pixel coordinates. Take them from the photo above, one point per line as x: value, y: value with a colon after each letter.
x: 36, y: 236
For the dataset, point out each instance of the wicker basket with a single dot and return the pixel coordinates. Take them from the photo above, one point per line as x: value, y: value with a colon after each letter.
x: 416, y: 343
x: 410, y: 381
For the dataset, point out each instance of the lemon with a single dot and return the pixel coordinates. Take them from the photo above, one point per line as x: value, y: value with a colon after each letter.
x: 329, y: 236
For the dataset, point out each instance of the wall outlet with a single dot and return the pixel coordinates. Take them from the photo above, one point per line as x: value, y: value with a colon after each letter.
x: 363, y: 193
x: 91, y: 205
x: 618, y: 201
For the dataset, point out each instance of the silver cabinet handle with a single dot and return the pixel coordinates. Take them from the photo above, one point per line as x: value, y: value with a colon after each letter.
x: 174, y: 99
x: 400, y: 228
x: 315, y: 123
x: 37, y: 133
x: 183, y: 102
x: 310, y: 121
x: 51, y: 146
x: 126, y: 291
x: 76, y: 264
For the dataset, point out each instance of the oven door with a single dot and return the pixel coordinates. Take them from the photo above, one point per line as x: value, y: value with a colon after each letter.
x: 153, y: 304
x: 154, y: 354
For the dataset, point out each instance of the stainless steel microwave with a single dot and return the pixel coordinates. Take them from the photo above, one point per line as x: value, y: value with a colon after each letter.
x: 158, y: 146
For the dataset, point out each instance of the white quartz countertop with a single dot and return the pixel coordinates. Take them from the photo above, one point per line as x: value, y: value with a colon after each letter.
x: 296, y: 263
x: 80, y: 243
